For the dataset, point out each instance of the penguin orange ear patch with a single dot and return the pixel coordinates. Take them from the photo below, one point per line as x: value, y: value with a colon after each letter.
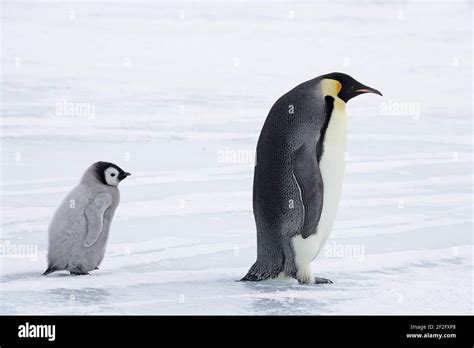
x: 331, y: 87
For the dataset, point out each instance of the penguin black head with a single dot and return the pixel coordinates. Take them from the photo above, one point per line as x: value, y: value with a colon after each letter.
x: 109, y: 173
x: 349, y: 87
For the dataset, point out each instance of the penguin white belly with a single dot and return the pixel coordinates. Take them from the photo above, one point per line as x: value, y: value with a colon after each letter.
x: 332, y: 166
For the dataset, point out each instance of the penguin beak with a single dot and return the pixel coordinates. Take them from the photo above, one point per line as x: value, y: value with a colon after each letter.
x: 123, y: 175
x: 366, y: 89
x: 355, y: 89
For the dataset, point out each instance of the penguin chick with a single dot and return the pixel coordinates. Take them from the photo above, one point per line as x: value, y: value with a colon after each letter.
x: 79, y: 229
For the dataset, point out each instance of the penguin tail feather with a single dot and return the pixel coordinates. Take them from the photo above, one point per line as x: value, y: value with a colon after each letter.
x: 49, y: 270
x: 258, y: 272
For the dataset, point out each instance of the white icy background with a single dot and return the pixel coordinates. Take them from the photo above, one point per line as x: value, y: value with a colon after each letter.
x: 201, y: 78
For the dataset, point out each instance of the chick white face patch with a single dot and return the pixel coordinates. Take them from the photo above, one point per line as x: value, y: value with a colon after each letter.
x: 111, y: 176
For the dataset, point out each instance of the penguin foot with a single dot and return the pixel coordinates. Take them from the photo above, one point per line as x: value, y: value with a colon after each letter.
x: 96, y: 268
x: 259, y: 272
x: 318, y: 280
x: 78, y: 273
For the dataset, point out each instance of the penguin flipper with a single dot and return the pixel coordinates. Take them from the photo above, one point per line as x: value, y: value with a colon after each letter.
x: 95, y: 218
x: 309, y: 180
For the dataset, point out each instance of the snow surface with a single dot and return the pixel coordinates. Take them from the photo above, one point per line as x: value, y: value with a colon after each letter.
x: 180, y: 92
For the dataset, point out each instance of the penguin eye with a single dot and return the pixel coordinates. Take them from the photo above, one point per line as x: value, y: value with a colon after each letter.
x: 113, y: 174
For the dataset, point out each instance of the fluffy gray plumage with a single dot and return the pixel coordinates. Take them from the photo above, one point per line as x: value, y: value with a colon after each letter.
x: 80, y: 227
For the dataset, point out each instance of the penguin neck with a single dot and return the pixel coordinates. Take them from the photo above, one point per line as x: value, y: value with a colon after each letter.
x: 334, y: 133
x: 330, y: 87
x: 337, y: 125
x: 335, y: 137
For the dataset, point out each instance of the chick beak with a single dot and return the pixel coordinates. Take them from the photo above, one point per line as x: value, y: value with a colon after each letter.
x: 123, y: 175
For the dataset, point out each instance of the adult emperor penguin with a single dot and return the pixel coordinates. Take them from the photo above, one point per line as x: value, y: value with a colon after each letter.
x: 298, y: 175
x: 80, y: 227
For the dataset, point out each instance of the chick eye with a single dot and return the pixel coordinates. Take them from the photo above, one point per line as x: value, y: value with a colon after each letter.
x: 113, y: 174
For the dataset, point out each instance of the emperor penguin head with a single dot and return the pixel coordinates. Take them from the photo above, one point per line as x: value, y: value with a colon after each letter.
x: 344, y: 86
x: 108, y: 173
